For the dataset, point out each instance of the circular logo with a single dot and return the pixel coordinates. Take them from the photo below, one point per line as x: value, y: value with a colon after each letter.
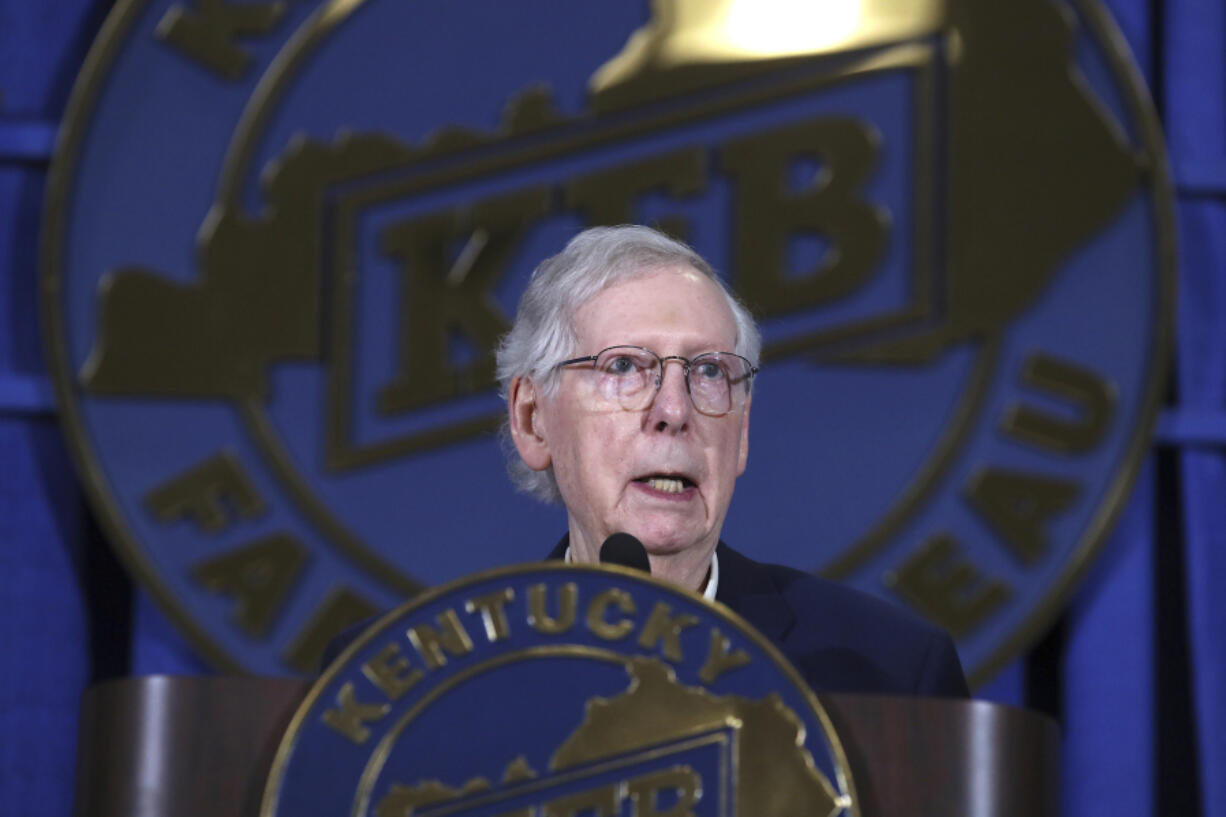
x: 560, y: 690
x: 282, y: 240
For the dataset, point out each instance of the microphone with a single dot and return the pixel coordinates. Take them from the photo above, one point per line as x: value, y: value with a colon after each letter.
x: 623, y: 549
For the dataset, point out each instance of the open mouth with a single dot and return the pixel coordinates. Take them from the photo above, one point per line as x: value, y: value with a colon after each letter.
x: 666, y: 483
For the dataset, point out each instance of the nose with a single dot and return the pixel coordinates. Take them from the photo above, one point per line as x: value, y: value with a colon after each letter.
x: 672, y: 409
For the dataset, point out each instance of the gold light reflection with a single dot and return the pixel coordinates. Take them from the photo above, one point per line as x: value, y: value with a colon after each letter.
x: 686, y: 32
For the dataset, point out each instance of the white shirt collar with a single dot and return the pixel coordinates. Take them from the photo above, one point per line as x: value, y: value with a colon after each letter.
x: 708, y: 592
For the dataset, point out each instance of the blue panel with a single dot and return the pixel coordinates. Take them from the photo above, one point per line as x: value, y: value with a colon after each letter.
x: 26, y: 395
x: 1108, y: 677
x: 1205, y: 177
x: 26, y: 141
x: 1191, y: 427
x: 42, y: 621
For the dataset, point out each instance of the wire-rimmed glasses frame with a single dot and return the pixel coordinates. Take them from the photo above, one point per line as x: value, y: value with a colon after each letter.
x: 631, y: 376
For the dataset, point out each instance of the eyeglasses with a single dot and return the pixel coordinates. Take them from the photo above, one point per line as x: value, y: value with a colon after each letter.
x: 630, y: 376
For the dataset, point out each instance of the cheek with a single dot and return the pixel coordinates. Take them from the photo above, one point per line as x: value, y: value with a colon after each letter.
x: 604, y: 449
x: 588, y: 451
x: 732, y: 450
x: 604, y: 453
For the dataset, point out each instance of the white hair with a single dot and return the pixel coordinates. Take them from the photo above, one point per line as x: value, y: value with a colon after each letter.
x: 544, y: 331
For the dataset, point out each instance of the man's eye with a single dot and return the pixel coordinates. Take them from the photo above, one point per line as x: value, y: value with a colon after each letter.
x: 709, y: 370
x: 621, y: 365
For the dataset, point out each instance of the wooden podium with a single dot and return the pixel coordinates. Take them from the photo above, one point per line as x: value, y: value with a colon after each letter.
x: 201, y: 747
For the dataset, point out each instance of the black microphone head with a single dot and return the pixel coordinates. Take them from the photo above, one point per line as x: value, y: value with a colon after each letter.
x: 623, y: 549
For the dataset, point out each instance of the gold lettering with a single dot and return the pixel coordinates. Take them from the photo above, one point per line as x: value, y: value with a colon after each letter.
x: 538, y: 616
x: 259, y: 576
x: 646, y: 789
x: 493, y: 607
x: 391, y: 672
x: 597, y: 610
x: 432, y: 643
x: 719, y: 659
x: 770, y: 216
x: 206, y: 33
x: 442, y: 299
x: 204, y: 493
x: 940, y: 583
x: 1092, y: 398
x: 340, y: 610
x: 661, y: 626
x: 350, y: 717
x: 599, y: 802
x: 608, y: 197
x: 1018, y: 506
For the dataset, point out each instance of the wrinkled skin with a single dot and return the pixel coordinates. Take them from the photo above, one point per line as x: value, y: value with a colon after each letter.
x: 601, y: 455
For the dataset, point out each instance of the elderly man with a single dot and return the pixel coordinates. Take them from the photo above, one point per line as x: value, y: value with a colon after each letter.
x: 628, y: 376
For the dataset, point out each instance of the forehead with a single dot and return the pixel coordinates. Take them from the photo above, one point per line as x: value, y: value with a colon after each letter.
x: 678, y: 307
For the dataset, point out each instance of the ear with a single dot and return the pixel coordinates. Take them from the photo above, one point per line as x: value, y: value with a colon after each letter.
x: 743, y: 456
x: 527, y: 425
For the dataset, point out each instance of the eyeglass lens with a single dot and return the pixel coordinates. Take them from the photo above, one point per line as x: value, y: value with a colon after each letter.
x: 630, y: 376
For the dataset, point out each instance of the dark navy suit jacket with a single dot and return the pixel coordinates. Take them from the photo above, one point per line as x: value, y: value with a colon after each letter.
x: 840, y: 639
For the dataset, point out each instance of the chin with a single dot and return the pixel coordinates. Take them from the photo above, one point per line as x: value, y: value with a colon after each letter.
x: 666, y: 544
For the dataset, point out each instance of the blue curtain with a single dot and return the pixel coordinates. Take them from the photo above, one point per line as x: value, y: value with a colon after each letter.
x: 1196, y: 126
x: 1135, y: 670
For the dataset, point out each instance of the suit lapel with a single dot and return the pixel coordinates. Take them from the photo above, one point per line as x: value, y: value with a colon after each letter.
x: 747, y: 587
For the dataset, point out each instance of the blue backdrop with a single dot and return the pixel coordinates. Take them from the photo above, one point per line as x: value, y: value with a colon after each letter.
x: 1135, y: 670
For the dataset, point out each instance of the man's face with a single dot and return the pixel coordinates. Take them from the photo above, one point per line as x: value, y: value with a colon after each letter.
x: 620, y: 470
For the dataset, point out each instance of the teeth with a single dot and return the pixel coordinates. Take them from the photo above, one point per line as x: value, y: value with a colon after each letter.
x: 667, y: 485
